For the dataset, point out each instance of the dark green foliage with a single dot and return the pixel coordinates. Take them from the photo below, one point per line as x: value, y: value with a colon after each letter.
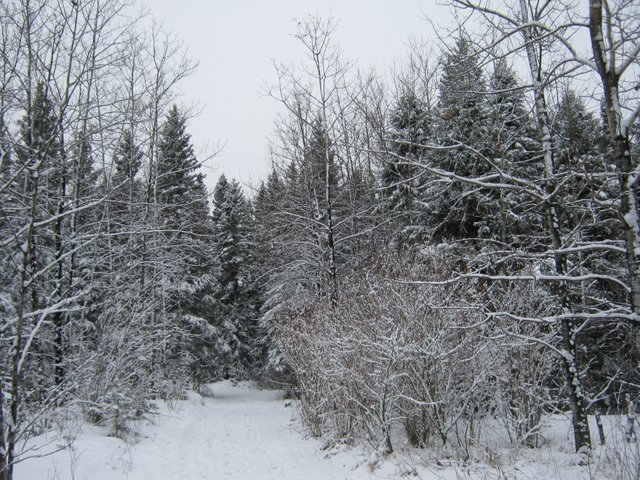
x: 457, y: 210
x: 39, y: 131
x: 401, y: 175
x: 40, y: 193
x: 270, y: 258
x: 187, y: 249
x: 236, y: 291
x: 128, y: 158
x: 513, y: 148
x: 180, y: 187
x: 127, y: 192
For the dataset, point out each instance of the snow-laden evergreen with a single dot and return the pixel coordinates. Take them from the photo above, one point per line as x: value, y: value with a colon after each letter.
x: 236, y: 291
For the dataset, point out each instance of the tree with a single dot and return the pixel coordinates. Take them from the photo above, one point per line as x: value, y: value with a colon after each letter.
x: 180, y: 188
x: 457, y: 210
x: 271, y: 261
x: 128, y: 159
x: 579, y: 277
x: 66, y: 328
x: 236, y: 292
x: 513, y: 146
x: 182, y: 245
x: 320, y: 156
x: 614, y: 40
x: 410, y: 125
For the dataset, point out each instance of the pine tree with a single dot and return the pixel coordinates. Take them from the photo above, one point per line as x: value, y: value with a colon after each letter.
x: 236, y: 293
x: 457, y: 210
x: 183, y: 249
x: 410, y: 130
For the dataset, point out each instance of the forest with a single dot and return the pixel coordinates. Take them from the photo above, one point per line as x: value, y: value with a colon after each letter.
x: 452, y: 243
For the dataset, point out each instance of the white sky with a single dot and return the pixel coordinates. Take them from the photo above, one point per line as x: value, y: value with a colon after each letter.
x: 235, y: 43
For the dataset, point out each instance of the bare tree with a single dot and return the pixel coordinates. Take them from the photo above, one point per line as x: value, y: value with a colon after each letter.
x: 64, y: 103
x: 317, y: 101
x: 614, y: 28
x: 545, y: 32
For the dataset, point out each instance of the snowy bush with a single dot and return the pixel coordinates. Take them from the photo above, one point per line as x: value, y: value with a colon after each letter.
x: 406, y: 348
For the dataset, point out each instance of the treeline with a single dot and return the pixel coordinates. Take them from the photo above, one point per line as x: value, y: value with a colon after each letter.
x: 121, y: 280
x: 459, y: 244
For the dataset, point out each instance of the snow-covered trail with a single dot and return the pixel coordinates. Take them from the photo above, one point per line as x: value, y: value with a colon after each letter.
x: 244, y: 433
x: 240, y: 433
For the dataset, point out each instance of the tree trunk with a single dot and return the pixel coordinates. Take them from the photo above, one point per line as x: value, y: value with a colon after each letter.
x: 10, y: 427
x: 579, y: 417
x: 581, y: 434
x: 605, y: 61
x: 58, y: 316
x: 330, y: 237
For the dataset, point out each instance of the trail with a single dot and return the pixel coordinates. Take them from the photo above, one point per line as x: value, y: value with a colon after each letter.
x: 240, y: 433
x: 244, y: 433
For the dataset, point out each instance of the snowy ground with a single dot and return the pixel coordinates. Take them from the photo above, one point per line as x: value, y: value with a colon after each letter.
x: 244, y: 433
x: 240, y: 433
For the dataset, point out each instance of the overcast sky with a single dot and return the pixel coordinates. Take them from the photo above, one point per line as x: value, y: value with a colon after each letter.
x: 235, y: 43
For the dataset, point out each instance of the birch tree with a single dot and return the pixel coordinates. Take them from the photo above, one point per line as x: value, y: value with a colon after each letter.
x: 545, y: 31
x: 63, y: 104
x: 614, y: 28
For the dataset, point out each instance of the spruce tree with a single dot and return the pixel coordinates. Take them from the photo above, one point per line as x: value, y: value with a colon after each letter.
x: 457, y: 210
x: 40, y: 158
x: 271, y: 259
x: 128, y: 158
x: 181, y: 193
x: 513, y: 148
x: 236, y: 290
x: 583, y: 175
x: 126, y: 195
x: 401, y: 176
x: 183, y: 250
x: 180, y: 187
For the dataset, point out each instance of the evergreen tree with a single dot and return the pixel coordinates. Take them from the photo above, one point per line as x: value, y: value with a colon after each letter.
x: 456, y: 210
x: 236, y: 292
x: 401, y: 177
x: 271, y: 260
x: 580, y: 149
x: 577, y: 134
x: 183, y: 250
x: 180, y: 188
x: 608, y: 350
x: 182, y: 195
x: 5, y: 154
x: 43, y: 187
x: 128, y: 158
x: 513, y: 148
x: 462, y: 94
x: 40, y: 149
x: 126, y: 210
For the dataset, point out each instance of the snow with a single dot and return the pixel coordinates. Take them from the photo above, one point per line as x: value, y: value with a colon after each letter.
x: 241, y: 432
